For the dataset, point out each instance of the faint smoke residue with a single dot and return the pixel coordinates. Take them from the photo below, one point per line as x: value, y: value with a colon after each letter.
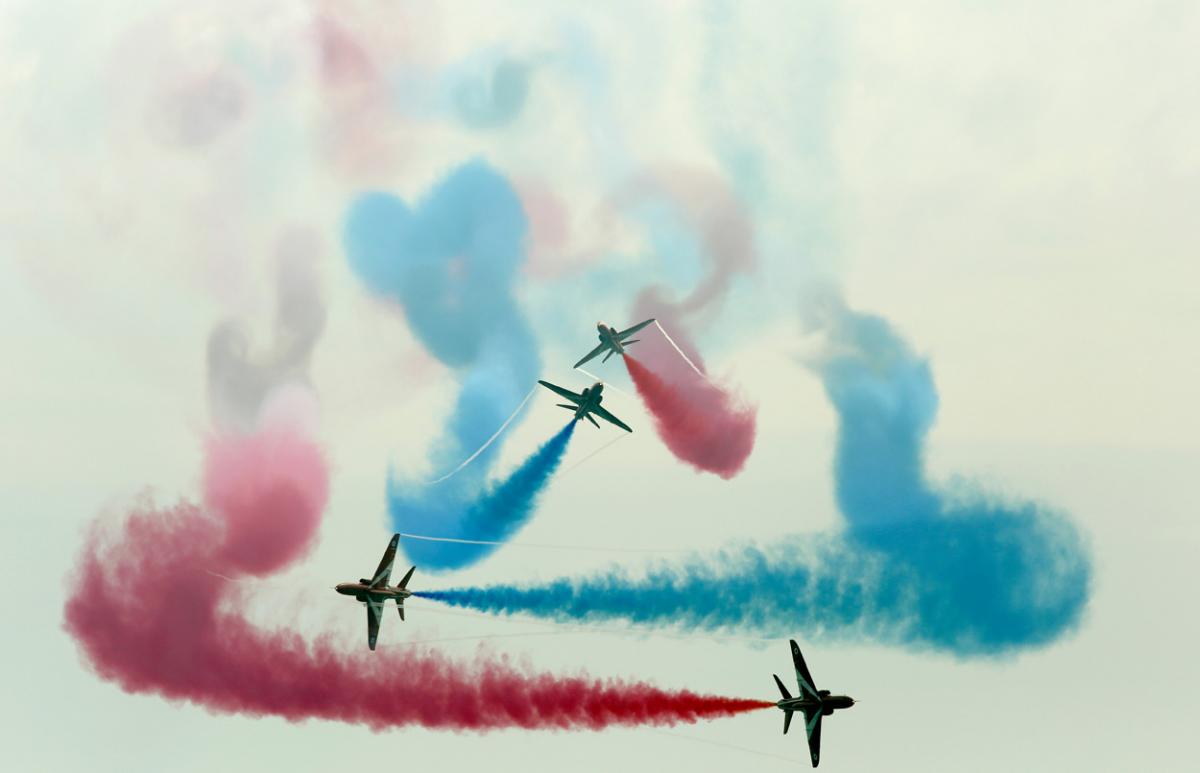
x: 242, y: 378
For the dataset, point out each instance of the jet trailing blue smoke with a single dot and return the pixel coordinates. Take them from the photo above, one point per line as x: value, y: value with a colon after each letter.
x: 451, y: 263
x: 916, y: 566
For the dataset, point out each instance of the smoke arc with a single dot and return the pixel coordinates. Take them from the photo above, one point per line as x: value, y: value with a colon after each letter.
x: 495, y: 515
x: 917, y: 566
x: 451, y: 264
x: 151, y: 614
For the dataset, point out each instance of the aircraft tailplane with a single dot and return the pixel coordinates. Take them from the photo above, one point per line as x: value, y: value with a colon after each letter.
x: 400, y: 608
x: 407, y: 576
x: 588, y: 416
x: 787, y: 720
x: 786, y: 695
x: 610, y: 354
x: 627, y: 343
x: 568, y: 407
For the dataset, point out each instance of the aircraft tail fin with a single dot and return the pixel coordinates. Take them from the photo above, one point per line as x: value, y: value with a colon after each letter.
x: 787, y: 720
x: 407, y: 576
x: 783, y: 690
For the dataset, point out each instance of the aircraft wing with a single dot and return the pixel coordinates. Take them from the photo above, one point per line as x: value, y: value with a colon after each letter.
x: 567, y: 393
x: 384, y: 573
x: 807, y: 685
x: 374, y: 615
x: 599, y: 411
x: 593, y: 353
x: 812, y: 725
x: 630, y: 331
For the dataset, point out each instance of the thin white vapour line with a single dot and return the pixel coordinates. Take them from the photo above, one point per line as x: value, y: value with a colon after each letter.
x: 231, y: 579
x: 490, y: 440
x: 671, y: 341
x: 584, y: 627
x: 429, y: 538
x: 439, y: 640
x: 607, y: 384
x: 622, y: 436
x: 789, y: 760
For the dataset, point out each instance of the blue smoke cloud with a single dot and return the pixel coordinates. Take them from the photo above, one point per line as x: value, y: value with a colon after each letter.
x: 916, y: 566
x: 451, y: 264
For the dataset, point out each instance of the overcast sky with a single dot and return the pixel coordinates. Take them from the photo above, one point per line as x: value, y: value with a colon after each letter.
x: 1011, y: 186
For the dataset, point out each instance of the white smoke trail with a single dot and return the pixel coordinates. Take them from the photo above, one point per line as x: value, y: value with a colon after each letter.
x: 686, y: 359
x: 607, y: 385
x: 513, y: 543
x: 622, y: 436
x: 490, y: 440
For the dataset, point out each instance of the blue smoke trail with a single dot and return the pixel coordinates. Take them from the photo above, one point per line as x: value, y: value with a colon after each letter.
x: 451, y: 263
x: 494, y: 516
x: 915, y: 567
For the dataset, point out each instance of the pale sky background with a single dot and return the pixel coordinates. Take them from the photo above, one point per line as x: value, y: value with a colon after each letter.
x: 1012, y: 185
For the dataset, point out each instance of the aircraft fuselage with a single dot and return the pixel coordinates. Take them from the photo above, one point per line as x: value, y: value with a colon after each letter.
x: 362, y: 591
x: 828, y: 703
x: 608, y: 335
x: 590, y: 398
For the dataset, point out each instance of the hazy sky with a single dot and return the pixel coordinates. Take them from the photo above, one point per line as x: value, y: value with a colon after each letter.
x: 1010, y: 186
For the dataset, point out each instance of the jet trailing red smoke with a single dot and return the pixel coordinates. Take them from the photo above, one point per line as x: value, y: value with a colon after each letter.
x: 152, y: 614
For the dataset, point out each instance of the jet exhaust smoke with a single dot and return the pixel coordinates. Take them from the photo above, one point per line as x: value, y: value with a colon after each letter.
x: 494, y: 515
x: 701, y: 424
x: 916, y: 566
x: 451, y: 263
x: 151, y: 615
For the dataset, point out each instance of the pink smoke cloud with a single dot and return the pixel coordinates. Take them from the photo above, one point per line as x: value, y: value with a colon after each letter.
x: 701, y: 423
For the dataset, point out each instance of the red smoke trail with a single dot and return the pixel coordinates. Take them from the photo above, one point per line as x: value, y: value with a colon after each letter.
x: 703, y: 423
x: 151, y: 615
x: 699, y: 422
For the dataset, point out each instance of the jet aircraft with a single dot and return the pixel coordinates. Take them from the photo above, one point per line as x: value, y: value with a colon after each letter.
x: 375, y: 592
x: 813, y: 703
x: 613, y: 340
x: 586, y: 403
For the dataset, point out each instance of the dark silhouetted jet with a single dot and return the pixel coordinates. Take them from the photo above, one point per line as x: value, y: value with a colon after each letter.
x: 586, y: 403
x: 375, y: 592
x: 811, y: 702
x: 613, y: 341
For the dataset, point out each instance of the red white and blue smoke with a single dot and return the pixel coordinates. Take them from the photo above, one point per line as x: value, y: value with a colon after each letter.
x: 156, y: 605
x: 705, y: 423
x: 154, y: 611
x: 915, y: 565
